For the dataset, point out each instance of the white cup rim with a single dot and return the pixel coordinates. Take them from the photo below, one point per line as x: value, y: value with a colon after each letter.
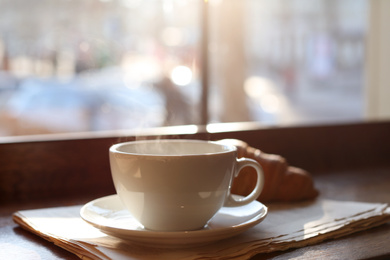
x: 225, y: 148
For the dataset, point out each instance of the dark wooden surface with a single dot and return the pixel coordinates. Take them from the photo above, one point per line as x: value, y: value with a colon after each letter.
x: 348, y: 162
x: 371, y: 184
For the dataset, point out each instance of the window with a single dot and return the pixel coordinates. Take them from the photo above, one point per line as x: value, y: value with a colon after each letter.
x: 94, y: 65
x: 298, y: 61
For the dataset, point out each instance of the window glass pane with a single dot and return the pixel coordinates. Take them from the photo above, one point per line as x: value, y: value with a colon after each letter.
x: 288, y: 62
x: 90, y: 65
x: 93, y: 65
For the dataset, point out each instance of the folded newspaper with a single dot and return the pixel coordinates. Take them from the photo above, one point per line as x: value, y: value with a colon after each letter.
x: 286, y: 226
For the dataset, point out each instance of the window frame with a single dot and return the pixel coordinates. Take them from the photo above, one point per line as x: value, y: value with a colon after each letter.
x: 77, y: 166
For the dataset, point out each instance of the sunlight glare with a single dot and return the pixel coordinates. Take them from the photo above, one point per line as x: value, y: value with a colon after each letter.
x: 181, y: 75
x: 262, y: 91
x: 140, y: 68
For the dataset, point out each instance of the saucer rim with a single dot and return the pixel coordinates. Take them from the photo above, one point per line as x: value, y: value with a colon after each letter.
x: 226, y: 232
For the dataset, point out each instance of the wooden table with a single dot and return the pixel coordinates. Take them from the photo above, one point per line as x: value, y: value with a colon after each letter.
x: 348, y: 162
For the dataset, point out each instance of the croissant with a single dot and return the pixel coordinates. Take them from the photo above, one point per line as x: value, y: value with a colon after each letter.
x: 282, y: 182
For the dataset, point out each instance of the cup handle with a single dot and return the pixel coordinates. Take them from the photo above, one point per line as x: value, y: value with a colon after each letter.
x: 240, y: 164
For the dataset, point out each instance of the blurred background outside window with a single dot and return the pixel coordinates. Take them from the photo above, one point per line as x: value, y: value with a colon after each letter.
x: 90, y: 65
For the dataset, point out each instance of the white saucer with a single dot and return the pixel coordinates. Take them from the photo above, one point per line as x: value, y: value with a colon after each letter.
x: 109, y: 215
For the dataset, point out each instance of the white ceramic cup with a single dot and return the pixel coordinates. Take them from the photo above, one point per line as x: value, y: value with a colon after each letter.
x: 178, y: 185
